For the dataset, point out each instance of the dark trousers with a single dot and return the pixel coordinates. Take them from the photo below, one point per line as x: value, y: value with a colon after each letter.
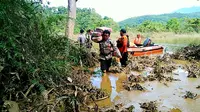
x: 105, y: 64
x: 124, y: 59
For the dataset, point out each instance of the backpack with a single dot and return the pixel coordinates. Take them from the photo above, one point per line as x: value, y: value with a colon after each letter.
x: 128, y: 42
x: 120, y: 44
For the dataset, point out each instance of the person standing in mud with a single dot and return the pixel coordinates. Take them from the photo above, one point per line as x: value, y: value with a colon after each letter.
x: 88, y: 39
x: 122, y: 45
x: 108, y: 49
x: 81, y: 38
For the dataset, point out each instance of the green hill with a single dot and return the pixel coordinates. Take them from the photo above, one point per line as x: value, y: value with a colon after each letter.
x: 158, y: 18
x: 188, y: 9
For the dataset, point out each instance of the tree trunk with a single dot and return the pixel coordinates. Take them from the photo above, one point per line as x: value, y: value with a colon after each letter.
x: 71, y: 18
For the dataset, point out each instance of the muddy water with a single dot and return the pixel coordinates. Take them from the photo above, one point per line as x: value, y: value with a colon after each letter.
x: 169, y: 96
x: 112, y: 84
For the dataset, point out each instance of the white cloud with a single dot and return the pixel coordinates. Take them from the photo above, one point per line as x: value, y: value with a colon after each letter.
x: 122, y: 9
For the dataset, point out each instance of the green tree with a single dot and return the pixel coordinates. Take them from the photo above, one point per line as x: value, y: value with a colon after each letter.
x: 195, y: 24
x: 149, y: 26
x: 173, y: 25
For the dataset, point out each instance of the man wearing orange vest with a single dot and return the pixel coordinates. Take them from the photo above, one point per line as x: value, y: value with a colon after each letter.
x: 138, y: 40
x: 122, y: 46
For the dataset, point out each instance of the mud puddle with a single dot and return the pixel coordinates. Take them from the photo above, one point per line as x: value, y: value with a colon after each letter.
x: 168, y: 95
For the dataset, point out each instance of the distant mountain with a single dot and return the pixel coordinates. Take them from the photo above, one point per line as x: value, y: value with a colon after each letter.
x: 158, y: 18
x: 188, y: 10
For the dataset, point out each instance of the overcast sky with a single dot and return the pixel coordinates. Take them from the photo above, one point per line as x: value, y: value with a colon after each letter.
x: 123, y: 9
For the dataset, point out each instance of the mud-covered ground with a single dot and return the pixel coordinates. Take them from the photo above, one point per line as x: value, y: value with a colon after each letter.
x: 149, y: 106
x: 145, y: 72
x: 72, y: 93
x: 77, y: 93
x: 188, y: 53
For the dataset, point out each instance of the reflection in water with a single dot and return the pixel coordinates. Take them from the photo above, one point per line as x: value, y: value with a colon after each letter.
x: 167, y: 104
x: 175, y: 110
x: 107, y: 83
x: 114, y: 93
x: 110, y: 83
x: 181, y: 74
x: 96, y: 81
x: 96, y: 78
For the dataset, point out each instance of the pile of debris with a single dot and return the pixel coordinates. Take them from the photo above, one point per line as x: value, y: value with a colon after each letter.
x: 149, y: 106
x: 167, y: 58
x: 193, y: 70
x: 140, y: 78
x: 133, y: 86
x: 163, y: 63
x: 120, y: 108
x: 139, y: 63
x: 73, y: 93
x: 89, y: 58
x: 136, y: 78
x: 198, y: 87
x: 187, y: 53
x: 160, y: 77
x: 190, y: 95
x: 161, y: 68
x: 116, y: 69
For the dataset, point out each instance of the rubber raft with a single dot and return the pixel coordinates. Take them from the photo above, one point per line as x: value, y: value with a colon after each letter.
x: 145, y: 51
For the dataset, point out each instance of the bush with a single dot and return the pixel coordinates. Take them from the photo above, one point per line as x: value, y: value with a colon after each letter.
x: 31, y: 52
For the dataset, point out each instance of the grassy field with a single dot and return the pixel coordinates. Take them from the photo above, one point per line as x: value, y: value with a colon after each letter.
x: 165, y: 38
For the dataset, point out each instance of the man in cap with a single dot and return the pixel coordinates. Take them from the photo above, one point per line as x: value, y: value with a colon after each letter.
x: 122, y: 46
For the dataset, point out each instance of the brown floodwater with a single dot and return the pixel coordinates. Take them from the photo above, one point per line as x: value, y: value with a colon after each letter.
x: 169, y: 96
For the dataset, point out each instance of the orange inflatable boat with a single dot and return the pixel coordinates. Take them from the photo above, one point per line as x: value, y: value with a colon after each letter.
x: 145, y: 51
